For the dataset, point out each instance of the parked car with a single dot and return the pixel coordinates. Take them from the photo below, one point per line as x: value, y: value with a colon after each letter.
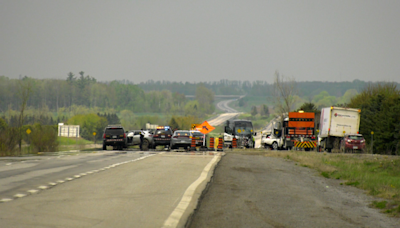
x: 199, y: 137
x: 181, y: 138
x: 352, y: 143
x: 114, y: 136
x: 133, y: 139
x: 270, y: 141
x: 162, y: 136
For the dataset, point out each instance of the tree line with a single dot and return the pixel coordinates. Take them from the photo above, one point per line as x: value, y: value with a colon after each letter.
x: 54, y: 94
x: 306, y: 89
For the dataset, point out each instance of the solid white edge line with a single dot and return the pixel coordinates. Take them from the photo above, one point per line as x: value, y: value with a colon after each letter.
x: 176, y: 215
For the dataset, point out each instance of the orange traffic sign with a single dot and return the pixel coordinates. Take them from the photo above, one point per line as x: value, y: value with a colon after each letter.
x: 205, y: 128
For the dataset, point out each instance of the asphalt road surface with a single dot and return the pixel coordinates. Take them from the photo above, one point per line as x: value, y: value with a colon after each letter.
x: 18, y: 175
x: 230, y: 113
x: 223, y: 105
x: 136, y: 189
x: 254, y: 190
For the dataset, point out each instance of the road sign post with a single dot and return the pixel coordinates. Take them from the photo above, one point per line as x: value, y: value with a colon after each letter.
x: 28, y: 131
x: 205, y: 128
x: 94, y: 137
x: 372, y: 142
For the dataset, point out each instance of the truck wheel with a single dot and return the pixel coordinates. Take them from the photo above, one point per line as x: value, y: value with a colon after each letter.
x: 275, y: 146
x: 104, y: 147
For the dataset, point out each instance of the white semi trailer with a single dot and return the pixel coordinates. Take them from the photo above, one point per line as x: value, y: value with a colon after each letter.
x: 335, y: 123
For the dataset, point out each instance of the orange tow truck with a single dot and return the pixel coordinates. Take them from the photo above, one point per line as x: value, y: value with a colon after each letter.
x: 295, y: 131
x: 299, y: 130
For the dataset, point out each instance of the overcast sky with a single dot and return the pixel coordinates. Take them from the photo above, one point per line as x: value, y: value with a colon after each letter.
x: 201, y: 40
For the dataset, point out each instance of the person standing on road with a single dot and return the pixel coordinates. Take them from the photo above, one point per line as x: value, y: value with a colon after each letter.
x: 141, y: 138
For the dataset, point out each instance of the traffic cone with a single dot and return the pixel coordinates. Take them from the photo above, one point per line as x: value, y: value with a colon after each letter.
x: 193, y: 144
x: 234, y: 143
x: 211, y: 146
x: 220, y: 144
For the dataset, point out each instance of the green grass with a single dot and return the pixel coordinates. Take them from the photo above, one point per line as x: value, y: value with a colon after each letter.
x: 379, y: 204
x: 252, y: 101
x: 378, y: 175
x: 65, y: 141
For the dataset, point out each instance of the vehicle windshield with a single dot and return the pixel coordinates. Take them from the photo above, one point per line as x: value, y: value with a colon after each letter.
x: 182, y: 133
x: 197, y: 133
x: 356, y: 137
x: 162, y: 132
x: 243, y: 127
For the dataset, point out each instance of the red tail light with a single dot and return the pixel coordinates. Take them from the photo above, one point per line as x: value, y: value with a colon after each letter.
x: 104, y: 135
x: 124, y: 135
x: 287, y: 136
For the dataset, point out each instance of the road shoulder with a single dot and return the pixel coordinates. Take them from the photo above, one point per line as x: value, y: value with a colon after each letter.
x: 260, y: 191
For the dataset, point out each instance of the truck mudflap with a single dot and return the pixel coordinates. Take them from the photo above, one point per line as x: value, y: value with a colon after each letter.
x: 305, y: 144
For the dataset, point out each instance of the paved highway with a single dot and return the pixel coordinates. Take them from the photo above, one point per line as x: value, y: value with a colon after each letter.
x: 230, y: 113
x: 223, y: 105
x: 104, y: 189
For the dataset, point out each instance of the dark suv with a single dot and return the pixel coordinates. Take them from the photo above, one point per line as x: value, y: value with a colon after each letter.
x: 114, y: 136
x: 162, y: 136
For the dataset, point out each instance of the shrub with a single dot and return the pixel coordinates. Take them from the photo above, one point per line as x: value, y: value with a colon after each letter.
x: 8, y: 140
x: 44, y: 138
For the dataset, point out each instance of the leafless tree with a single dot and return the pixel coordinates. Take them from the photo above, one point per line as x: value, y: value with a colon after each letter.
x: 285, y: 91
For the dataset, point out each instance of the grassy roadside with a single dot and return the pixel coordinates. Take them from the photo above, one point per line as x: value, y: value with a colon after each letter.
x: 378, y: 175
x: 66, y: 143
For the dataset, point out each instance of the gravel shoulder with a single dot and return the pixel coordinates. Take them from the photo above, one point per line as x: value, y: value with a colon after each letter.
x: 253, y: 190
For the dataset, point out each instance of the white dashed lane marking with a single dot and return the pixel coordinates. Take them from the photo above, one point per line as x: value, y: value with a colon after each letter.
x: 33, y: 191
x: 44, y: 187
x: 4, y: 200
x: 19, y: 195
